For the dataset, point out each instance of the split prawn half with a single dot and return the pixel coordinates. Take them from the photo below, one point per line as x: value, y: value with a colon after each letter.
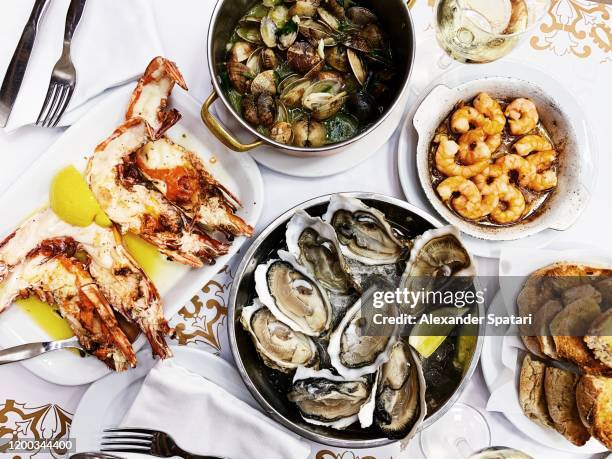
x: 150, y: 98
x: 180, y: 175
x: 51, y: 273
x: 136, y: 207
x: 116, y: 274
x: 446, y: 160
x: 471, y: 203
x: 522, y: 116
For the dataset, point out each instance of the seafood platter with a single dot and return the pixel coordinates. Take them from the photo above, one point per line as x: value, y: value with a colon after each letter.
x: 88, y: 260
x: 308, y: 76
x: 565, y: 379
x: 299, y: 337
x: 499, y: 158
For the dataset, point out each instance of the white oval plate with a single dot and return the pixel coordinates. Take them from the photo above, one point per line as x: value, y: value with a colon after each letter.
x: 176, y: 285
x: 335, y: 162
x: 107, y: 401
x: 493, y: 369
x: 407, y: 145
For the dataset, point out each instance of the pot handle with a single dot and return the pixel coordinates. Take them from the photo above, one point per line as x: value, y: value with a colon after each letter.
x: 219, y: 131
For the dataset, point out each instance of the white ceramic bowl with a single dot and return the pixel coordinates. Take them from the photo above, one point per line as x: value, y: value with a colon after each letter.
x: 566, y: 202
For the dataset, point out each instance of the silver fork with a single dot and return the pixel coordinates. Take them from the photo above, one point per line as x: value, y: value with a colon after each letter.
x: 63, y: 77
x: 145, y: 441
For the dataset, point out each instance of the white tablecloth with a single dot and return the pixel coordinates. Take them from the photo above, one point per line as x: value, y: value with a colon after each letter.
x: 574, y: 44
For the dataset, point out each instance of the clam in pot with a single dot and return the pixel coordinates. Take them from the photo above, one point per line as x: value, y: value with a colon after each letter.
x: 249, y: 42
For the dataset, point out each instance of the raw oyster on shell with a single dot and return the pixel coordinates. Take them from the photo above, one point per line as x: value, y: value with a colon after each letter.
x: 292, y: 295
x: 400, y: 398
x: 329, y: 400
x: 315, y: 245
x: 357, y: 348
x: 280, y: 347
x: 363, y: 232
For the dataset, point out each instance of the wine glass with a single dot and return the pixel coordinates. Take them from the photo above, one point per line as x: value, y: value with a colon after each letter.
x: 463, y: 433
x: 480, y: 31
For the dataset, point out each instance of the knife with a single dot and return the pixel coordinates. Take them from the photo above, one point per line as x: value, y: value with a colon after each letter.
x: 27, y: 351
x: 19, y: 62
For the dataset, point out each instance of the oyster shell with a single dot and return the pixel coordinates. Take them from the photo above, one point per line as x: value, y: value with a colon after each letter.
x: 315, y: 245
x: 400, y: 398
x: 363, y: 232
x: 355, y: 349
x: 436, y: 254
x: 294, y: 297
x: 440, y: 252
x: 328, y: 400
x: 279, y: 346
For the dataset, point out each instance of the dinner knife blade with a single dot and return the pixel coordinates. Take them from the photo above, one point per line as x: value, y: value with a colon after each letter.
x: 19, y: 63
x: 27, y: 351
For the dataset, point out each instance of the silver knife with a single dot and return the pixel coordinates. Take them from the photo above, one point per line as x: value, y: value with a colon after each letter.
x: 19, y: 62
x: 27, y: 351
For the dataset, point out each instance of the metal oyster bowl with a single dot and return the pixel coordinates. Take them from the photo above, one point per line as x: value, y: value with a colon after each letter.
x: 270, y: 387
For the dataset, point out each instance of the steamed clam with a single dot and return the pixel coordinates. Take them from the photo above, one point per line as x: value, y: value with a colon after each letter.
x: 315, y: 245
x: 364, y: 233
x: 302, y: 43
x: 281, y: 347
x: 294, y: 297
x: 328, y: 400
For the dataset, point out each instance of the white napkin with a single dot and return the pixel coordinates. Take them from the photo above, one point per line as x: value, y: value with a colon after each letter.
x: 204, y: 418
x: 113, y: 43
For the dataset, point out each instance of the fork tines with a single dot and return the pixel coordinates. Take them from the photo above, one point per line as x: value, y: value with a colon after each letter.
x: 127, y: 440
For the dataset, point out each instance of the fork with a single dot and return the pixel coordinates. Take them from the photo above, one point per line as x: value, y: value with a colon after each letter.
x: 63, y: 76
x: 145, y: 441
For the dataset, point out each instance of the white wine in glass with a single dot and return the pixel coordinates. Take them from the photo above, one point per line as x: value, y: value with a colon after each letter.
x: 480, y: 31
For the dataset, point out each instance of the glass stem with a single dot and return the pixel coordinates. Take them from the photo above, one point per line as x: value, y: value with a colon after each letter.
x: 463, y: 448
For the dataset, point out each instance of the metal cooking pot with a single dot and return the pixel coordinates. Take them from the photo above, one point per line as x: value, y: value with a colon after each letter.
x: 249, y: 364
x: 397, y: 22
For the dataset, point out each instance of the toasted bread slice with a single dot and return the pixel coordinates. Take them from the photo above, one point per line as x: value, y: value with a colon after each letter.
x: 579, y: 292
x: 599, y: 338
x: 528, y: 301
x: 605, y: 288
x: 531, y: 392
x: 560, y: 390
x: 568, y: 328
x: 541, y: 323
x: 594, y: 401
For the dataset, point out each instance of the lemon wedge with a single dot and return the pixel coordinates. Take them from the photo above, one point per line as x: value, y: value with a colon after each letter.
x: 72, y: 200
x: 427, y: 337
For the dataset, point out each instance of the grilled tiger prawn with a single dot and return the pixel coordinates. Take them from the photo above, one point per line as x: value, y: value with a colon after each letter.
x: 51, y: 273
x: 116, y: 274
x: 150, y: 98
x: 183, y: 179
x: 131, y: 203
